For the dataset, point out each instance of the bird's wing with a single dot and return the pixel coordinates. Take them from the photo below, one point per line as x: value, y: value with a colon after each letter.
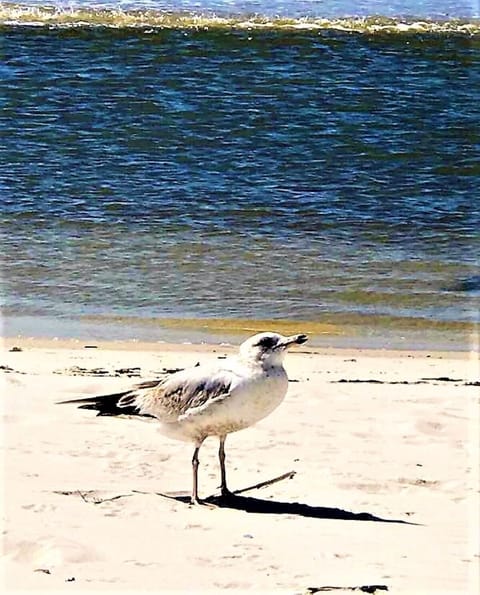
x: 183, y: 393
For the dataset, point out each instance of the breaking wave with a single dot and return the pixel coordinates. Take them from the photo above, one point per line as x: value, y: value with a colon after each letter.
x: 145, y: 19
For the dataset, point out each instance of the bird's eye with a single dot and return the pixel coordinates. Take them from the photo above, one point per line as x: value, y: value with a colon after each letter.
x: 267, y: 342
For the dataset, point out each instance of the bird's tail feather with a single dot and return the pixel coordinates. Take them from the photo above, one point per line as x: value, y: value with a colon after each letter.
x: 116, y: 404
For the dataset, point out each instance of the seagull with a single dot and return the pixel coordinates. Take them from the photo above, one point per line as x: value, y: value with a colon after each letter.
x: 203, y: 401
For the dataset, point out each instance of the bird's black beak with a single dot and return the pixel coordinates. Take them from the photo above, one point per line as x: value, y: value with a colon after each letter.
x: 294, y: 340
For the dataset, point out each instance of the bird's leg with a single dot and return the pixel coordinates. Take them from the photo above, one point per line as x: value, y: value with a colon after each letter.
x: 195, y: 464
x: 223, y: 474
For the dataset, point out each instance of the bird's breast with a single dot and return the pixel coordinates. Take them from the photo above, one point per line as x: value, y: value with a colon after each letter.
x: 250, y: 402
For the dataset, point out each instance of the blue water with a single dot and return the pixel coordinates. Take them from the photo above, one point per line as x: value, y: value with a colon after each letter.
x: 241, y: 173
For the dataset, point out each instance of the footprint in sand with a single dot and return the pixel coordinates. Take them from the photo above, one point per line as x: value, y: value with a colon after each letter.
x: 48, y: 553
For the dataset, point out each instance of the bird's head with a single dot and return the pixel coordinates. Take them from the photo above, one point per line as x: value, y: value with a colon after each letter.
x: 269, y: 348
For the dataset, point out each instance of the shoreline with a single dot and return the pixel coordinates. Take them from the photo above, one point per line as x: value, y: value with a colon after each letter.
x: 348, y: 332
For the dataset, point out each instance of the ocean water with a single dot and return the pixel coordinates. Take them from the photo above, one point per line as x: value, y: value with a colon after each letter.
x: 239, y: 161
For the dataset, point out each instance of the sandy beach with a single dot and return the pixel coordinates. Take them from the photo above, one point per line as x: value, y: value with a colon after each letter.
x: 384, y: 446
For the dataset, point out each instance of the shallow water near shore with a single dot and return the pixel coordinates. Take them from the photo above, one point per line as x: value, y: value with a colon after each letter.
x: 339, y: 332
x: 293, y: 165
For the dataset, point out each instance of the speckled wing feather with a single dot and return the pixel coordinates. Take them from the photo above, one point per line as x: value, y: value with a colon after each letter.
x: 181, y: 394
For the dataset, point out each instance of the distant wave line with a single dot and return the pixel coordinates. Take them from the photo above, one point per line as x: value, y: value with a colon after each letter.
x: 57, y: 17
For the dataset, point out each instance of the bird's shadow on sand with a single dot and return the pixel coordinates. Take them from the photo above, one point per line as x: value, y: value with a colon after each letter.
x: 259, y: 506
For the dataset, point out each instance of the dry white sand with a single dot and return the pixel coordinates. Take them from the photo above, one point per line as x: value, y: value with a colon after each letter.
x: 385, y: 491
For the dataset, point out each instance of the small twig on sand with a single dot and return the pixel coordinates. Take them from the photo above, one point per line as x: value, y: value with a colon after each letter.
x: 363, y: 589
x: 102, y: 500
x: 269, y: 482
x: 82, y: 496
x: 89, y: 496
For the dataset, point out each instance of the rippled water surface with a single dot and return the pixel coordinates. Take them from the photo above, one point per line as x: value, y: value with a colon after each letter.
x: 216, y: 172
